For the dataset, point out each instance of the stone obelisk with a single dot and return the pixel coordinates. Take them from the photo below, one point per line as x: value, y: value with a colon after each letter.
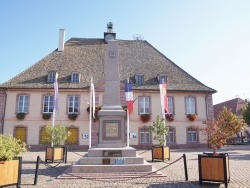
x: 112, y: 116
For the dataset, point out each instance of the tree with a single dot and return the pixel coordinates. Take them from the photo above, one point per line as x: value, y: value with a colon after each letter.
x: 160, y: 130
x: 246, y: 114
x: 224, y: 127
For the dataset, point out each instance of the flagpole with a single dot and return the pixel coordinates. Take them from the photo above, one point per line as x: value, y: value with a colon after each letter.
x: 90, y: 113
x: 55, y: 106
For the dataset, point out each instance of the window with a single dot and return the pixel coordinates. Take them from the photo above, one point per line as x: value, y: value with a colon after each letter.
x: 51, y: 77
x: 162, y: 78
x: 192, y: 135
x: 190, y: 105
x: 73, y: 104
x: 139, y: 79
x: 23, y: 103
x: 48, y: 104
x: 171, y: 105
x: 144, y: 105
x: 170, y: 136
x: 75, y: 78
x: 144, y: 136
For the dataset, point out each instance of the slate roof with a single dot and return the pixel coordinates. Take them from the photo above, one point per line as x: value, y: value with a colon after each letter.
x: 88, y: 57
x: 236, y: 105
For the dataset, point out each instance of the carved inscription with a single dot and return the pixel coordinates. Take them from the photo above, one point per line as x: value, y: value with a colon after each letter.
x: 112, y: 130
x: 106, y: 161
x: 112, y: 153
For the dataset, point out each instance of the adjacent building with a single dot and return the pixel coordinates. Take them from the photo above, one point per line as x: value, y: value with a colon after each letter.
x: 26, y: 101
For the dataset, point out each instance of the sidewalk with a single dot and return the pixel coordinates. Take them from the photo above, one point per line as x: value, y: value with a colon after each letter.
x: 174, y: 174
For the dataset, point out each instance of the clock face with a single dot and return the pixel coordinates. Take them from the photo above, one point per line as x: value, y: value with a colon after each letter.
x: 109, y: 37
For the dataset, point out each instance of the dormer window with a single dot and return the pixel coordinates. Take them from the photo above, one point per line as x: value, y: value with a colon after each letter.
x: 139, y: 79
x: 162, y: 78
x: 75, y: 77
x: 51, y: 77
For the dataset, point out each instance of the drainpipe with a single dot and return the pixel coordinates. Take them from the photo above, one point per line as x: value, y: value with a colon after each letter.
x: 4, y: 110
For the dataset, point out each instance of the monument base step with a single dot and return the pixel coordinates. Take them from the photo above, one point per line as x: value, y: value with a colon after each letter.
x: 70, y: 175
x: 78, y: 168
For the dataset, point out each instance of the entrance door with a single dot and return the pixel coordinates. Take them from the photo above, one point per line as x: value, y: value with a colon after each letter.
x: 73, y: 138
x: 20, y: 133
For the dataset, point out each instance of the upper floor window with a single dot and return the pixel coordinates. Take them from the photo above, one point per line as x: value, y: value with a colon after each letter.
x: 51, y: 77
x: 192, y: 135
x: 162, y: 78
x: 171, y: 105
x: 75, y: 77
x: 23, y: 101
x: 170, y: 136
x: 144, y: 105
x: 73, y: 104
x: 48, y: 104
x: 144, y: 135
x: 190, y: 105
x: 139, y: 79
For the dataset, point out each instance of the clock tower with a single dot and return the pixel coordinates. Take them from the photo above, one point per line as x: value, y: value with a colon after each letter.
x: 109, y: 35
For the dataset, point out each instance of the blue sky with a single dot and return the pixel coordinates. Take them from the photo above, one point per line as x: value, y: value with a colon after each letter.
x: 209, y: 39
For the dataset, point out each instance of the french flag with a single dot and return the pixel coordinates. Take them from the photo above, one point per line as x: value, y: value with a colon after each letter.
x: 129, y: 97
x: 164, y: 99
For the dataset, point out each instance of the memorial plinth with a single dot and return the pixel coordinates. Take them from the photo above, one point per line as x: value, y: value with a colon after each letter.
x: 112, y: 153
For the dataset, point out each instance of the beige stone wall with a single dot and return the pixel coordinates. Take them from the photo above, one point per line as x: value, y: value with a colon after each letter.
x: 33, y: 120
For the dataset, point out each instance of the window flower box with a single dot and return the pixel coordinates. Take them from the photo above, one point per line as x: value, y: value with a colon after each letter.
x: 145, y: 118
x: 20, y: 115
x: 46, y: 116
x: 192, y: 117
x: 169, y: 117
x: 73, y: 116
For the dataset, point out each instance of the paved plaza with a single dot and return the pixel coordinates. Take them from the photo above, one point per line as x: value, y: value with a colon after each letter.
x: 174, y: 175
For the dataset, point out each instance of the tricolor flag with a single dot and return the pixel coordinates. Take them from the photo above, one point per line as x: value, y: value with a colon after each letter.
x: 129, y: 97
x: 164, y: 99
x: 56, y: 108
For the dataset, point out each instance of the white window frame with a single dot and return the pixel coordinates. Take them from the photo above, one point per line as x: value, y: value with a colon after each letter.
x: 170, y: 137
x: 73, y: 104
x: 51, y: 76
x: 171, y: 104
x: 48, y: 103
x: 190, y: 103
x: 162, y: 78
x: 23, y: 104
x: 144, y: 136
x: 144, y: 104
x: 192, y: 135
x: 75, y: 77
x: 139, y: 79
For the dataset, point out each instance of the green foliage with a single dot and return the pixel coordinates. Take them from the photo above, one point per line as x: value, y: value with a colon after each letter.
x: 57, y: 134
x: 73, y: 116
x: 46, y: 115
x: 246, y: 114
x: 225, y: 126
x: 160, y: 130
x: 10, y: 147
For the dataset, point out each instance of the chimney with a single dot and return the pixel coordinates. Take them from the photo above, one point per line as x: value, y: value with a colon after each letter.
x: 61, y: 40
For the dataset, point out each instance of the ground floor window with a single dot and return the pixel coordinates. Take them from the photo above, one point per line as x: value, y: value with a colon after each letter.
x: 170, y: 137
x: 192, y: 135
x: 144, y: 135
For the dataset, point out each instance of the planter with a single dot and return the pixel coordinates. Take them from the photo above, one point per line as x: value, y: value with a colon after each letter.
x: 56, y: 154
x: 192, y: 117
x: 169, y: 117
x: 214, y: 168
x: 73, y: 116
x: 160, y: 152
x: 10, y: 172
x: 145, y: 118
x: 20, y: 115
x: 46, y: 116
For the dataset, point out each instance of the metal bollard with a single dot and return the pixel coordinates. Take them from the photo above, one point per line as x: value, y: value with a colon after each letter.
x: 37, y: 168
x: 185, y: 167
